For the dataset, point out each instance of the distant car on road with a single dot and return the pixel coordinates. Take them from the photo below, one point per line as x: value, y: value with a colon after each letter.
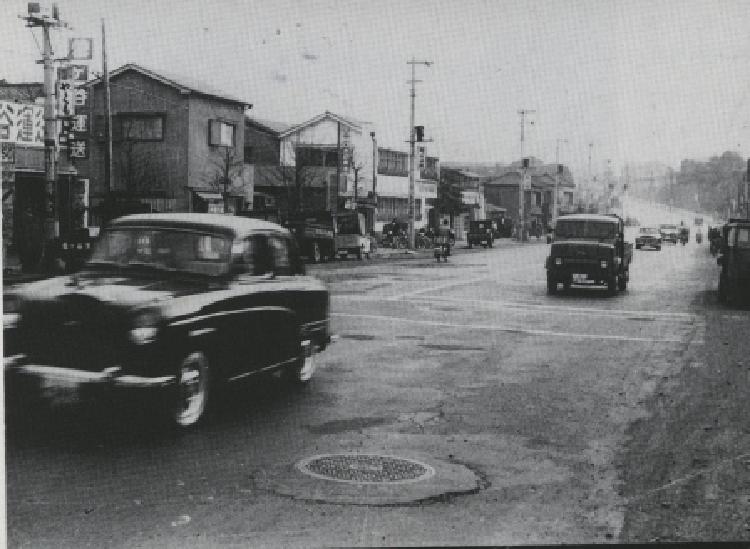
x: 734, y: 279
x: 589, y: 249
x: 648, y: 237
x: 170, y: 307
x: 669, y: 233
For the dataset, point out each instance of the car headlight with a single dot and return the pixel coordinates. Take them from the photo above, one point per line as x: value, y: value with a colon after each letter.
x: 145, y: 327
x: 603, y: 263
x: 558, y: 261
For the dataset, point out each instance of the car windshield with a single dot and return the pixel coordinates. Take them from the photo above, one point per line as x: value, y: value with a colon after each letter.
x: 597, y: 230
x: 163, y: 249
x: 648, y: 230
x: 480, y: 225
x: 668, y: 227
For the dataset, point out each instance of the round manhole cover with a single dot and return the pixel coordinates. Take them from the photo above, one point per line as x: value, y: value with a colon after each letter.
x: 365, y: 468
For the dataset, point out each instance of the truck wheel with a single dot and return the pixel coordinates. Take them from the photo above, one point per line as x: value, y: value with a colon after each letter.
x: 723, y: 296
x: 316, y: 255
x: 612, y: 285
x: 622, y: 283
x: 551, y: 284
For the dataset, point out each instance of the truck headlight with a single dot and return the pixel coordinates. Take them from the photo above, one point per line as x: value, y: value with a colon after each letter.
x: 603, y: 263
x: 145, y: 327
x: 558, y: 261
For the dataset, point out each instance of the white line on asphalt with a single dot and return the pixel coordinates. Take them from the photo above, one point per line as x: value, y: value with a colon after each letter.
x: 498, y: 328
x: 522, y: 305
x: 438, y: 287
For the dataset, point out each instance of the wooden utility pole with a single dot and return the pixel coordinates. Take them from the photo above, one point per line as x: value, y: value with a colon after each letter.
x: 521, y: 231
x: 412, y: 139
x: 107, y: 117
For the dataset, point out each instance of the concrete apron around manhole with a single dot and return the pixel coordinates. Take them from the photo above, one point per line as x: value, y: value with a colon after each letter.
x: 369, y: 479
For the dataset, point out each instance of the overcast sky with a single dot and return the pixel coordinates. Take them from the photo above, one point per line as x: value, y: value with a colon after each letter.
x: 657, y: 80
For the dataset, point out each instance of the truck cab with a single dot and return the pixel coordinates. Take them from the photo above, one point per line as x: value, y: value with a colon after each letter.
x: 589, y: 249
x: 734, y: 260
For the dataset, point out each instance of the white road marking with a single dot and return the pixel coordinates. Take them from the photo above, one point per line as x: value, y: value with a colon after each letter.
x: 521, y: 305
x: 438, y: 287
x: 499, y: 328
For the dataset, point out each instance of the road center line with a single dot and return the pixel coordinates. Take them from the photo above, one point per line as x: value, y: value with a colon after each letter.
x: 499, y: 328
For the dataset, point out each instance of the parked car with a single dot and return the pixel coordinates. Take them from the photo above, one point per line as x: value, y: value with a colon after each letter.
x: 171, y: 307
x: 481, y: 232
x: 648, y: 237
x: 669, y: 233
x: 734, y: 278
x: 589, y: 249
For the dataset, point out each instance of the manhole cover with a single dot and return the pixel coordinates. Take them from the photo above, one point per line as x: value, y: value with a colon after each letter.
x: 365, y: 468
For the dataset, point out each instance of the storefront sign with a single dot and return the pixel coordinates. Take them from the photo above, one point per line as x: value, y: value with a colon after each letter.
x: 21, y: 123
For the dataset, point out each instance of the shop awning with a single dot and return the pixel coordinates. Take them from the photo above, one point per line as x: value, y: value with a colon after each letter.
x: 209, y: 197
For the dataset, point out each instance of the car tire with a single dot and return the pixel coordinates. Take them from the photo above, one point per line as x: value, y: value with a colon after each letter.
x: 566, y: 285
x: 612, y: 285
x: 192, y: 390
x: 637, y: 246
x: 551, y: 285
x: 658, y: 248
x: 317, y: 257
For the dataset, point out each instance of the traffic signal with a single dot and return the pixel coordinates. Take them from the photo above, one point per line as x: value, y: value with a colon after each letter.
x: 419, y: 133
x: 525, y: 163
x: 560, y: 169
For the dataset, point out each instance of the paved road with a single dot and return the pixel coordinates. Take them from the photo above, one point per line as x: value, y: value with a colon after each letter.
x: 568, y: 410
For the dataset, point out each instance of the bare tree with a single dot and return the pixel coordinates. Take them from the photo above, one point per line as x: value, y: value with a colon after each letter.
x: 228, y: 167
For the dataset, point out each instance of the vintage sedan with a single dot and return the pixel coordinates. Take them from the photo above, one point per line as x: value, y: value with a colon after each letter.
x: 648, y: 237
x: 174, y: 307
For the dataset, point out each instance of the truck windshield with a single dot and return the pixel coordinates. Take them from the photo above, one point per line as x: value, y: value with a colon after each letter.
x: 595, y: 230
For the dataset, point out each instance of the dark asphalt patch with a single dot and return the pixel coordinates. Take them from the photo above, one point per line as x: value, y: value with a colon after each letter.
x: 343, y: 425
x: 642, y: 318
x: 418, y: 338
x: 357, y: 337
x: 447, y: 347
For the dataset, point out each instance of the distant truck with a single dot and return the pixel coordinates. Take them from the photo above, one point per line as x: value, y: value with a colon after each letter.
x: 589, y: 249
x: 319, y: 240
x: 481, y: 232
x: 734, y: 278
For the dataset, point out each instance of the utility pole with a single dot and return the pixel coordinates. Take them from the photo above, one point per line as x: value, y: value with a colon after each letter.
x: 521, y: 232
x: 590, y: 175
x: 557, y: 177
x: 413, y: 81
x: 374, y: 165
x: 107, y: 118
x: 47, y: 21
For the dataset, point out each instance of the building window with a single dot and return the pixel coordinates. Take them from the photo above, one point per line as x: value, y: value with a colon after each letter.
x: 221, y: 134
x: 393, y: 162
x: 137, y: 127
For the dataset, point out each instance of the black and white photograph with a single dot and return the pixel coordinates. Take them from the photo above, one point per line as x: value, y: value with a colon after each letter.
x: 351, y: 273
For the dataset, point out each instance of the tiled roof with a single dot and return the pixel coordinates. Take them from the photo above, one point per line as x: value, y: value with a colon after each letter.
x: 181, y: 82
x: 272, y: 125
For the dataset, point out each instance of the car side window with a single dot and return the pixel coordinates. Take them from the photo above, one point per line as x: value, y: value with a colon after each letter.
x: 255, y: 259
x: 279, y: 249
x: 743, y: 237
x: 730, y: 237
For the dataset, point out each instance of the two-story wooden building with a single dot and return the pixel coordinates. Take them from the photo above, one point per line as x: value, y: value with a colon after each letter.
x: 177, y: 145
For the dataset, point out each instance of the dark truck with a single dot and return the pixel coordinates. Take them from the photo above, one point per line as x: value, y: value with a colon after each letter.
x: 734, y: 260
x: 589, y: 249
x: 481, y: 232
x: 318, y: 240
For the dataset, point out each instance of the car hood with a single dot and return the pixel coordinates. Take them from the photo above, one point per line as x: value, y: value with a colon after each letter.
x: 583, y: 249
x: 122, y: 291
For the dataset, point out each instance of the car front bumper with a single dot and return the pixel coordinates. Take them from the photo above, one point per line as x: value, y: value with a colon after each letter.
x: 19, y: 365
